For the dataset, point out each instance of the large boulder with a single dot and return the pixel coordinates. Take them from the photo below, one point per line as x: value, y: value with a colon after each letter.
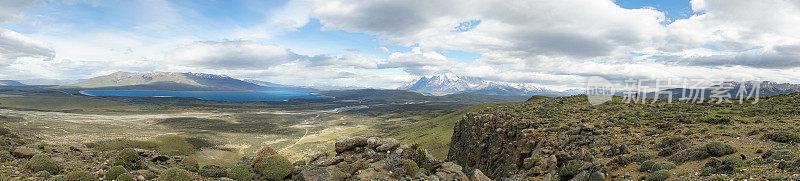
x: 25, y: 152
x: 349, y: 143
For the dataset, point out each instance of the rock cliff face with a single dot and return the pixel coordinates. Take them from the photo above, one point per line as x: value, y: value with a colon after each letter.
x: 505, y: 145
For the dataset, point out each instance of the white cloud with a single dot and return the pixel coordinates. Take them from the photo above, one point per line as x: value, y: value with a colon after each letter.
x: 14, y: 45
x: 11, y: 9
x: 231, y: 55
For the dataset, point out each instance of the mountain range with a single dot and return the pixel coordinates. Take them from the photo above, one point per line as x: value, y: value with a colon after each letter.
x: 175, y: 81
x: 450, y: 84
x: 10, y: 83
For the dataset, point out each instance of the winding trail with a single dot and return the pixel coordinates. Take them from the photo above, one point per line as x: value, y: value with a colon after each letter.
x: 295, y: 143
x: 305, y: 123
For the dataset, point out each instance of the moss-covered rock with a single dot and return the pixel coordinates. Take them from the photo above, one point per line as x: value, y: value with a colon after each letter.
x: 175, y: 174
x: 272, y: 167
x: 128, y: 158
x: 115, y: 171
x: 42, y: 162
x: 411, y: 167
x: 240, y: 173
x: 81, y: 176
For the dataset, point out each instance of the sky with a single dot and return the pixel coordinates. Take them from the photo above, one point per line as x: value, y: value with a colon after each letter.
x: 557, y: 44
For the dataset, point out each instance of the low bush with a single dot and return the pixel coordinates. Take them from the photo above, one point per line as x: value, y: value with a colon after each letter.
x: 240, y: 173
x: 189, y: 164
x: 115, y: 171
x: 783, y: 137
x: 128, y: 158
x: 672, y: 145
x: 272, y: 167
x: 660, y: 175
x: 726, y: 165
x: 717, y: 149
x: 718, y: 177
x: 80, y: 176
x: 570, y: 169
x: 124, y: 177
x: 175, y: 174
x: 42, y: 162
x: 6, y: 156
x: 411, y: 167
x: 778, y: 155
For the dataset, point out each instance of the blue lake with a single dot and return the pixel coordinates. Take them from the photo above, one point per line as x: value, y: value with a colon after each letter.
x: 210, y: 95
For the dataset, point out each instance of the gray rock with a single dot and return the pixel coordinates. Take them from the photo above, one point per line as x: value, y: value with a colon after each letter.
x: 582, y: 176
x: 477, y: 175
x: 322, y: 174
x: 387, y: 144
x: 349, y: 142
x: 597, y: 176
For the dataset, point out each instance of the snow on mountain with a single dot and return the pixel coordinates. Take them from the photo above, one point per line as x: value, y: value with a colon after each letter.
x: 449, y: 84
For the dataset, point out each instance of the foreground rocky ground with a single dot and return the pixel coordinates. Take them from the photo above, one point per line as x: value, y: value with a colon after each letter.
x: 568, y: 139
x: 355, y: 158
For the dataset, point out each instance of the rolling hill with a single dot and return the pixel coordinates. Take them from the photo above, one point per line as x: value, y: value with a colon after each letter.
x: 166, y: 81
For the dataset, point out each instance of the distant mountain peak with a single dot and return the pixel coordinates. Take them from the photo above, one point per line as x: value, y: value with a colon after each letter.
x: 450, y: 83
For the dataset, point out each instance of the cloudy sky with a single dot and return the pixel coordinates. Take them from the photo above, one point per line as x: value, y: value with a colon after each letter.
x: 386, y: 43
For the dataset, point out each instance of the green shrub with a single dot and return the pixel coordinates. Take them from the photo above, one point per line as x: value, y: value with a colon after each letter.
x: 646, y: 166
x: 115, y: 171
x: 718, y: 177
x: 175, y: 174
x: 42, y: 174
x: 128, y: 158
x: 124, y: 177
x: 778, y: 155
x: 571, y: 169
x: 267, y: 151
x: 240, y: 173
x: 57, y: 178
x: 189, y: 164
x: 651, y: 166
x: 40, y: 162
x: 6, y: 156
x: 80, y: 176
x: 715, y: 119
x: 660, y: 175
x: 717, y: 149
x: 411, y: 167
x: 782, y: 137
x: 726, y: 165
x: 672, y: 145
x: 272, y: 167
x: 640, y: 156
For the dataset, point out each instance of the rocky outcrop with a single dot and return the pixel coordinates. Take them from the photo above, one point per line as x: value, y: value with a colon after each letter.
x: 503, y: 145
x: 359, y: 158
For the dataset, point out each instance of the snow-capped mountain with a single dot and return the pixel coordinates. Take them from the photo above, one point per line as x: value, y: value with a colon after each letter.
x: 449, y: 84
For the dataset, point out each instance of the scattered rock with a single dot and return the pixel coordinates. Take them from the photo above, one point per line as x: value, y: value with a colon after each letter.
x: 25, y: 152
x: 477, y: 175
